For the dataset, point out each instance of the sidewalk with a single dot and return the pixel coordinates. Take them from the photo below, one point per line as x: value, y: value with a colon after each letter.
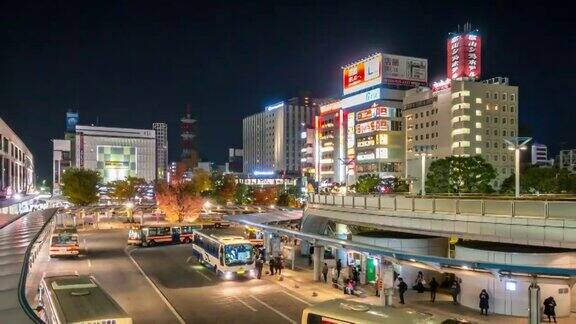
x: 300, y: 281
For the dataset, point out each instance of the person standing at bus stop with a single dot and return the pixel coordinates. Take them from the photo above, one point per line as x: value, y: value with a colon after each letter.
x: 259, y: 266
x: 433, y: 289
x: 271, y: 264
x: 402, y: 288
x: 325, y: 272
x: 338, y: 268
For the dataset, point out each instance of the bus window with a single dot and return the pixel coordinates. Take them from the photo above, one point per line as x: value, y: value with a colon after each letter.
x: 221, y: 256
x: 238, y: 254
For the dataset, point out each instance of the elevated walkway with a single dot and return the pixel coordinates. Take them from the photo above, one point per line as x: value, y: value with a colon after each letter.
x: 527, y: 222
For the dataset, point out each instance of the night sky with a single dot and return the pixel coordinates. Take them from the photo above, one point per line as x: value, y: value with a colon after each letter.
x: 132, y: 63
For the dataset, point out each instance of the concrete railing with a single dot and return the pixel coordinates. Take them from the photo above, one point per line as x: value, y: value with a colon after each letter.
x: 466, y: 206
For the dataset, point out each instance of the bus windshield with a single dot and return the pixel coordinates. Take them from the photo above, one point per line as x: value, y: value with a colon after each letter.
x: 238, y: 254
x: 64, y: 239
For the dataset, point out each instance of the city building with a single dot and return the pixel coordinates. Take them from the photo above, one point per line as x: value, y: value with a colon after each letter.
x: 567, y: 160
x: 235, y: 160
x: 161, y: 130
x: 272, y: 139
x: 462, y: 115
x: 188, y: 134
x: 329, y: 144
x: 16, y: 163
x: 539, y: 155
x: 61, y: 161
x: 461, y: 118
x: 116, y: 153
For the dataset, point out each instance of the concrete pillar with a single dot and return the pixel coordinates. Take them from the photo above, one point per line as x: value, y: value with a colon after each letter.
x: 534, y: 303
x: 318, y: 256
x: 387, y: 276
x: 267, y: 245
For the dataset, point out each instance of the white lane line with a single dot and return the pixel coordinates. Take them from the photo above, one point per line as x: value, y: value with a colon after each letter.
x: 203, y: 275
x: 85, y: 245
x: 274, y: 310
x: 89, y: 263
x: 76, y: 272
x: 188, y: 260
x: 297, y: 298
x: 246, y: 304
x: 164, y: 299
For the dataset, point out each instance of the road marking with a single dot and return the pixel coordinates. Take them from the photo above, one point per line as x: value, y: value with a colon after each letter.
x: 188, y: 260
x: 76, y: 272
x: 274, y: 310
x: 164, y: 299
x: 246, y: 304
x: 203, y: 275
x: 89, y: 263
x: 297, y: 298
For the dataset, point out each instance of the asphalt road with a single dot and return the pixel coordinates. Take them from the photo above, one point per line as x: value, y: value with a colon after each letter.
x: 200, y: 297
x: 175, y: 288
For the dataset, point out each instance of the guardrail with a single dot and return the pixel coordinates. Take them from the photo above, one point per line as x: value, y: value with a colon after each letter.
x: 481, y: 207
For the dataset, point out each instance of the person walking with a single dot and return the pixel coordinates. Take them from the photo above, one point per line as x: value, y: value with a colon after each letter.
x: 272, y: 267
x: 402, y: 288
x: 550, y: 308
x: 325, y: 272
x: 259, y: 266
x: 280, y: 265
x: 484, y: 297
x: 338, y: 268
x: 420, y: 282
x: 433, y: 289
x: 455, y: 291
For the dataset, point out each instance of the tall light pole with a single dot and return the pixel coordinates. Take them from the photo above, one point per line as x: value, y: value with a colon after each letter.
x: 346, y: 163
x: 423, y: 156
x: 516, y: 144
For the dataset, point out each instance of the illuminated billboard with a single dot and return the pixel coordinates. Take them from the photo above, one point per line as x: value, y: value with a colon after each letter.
x: 404, y: 70
x: 372, y: 126
x: 116, y: 162
x: 362, y: 74
x: 463, y: 56
x: 361, y: 98
x: 373, y: 113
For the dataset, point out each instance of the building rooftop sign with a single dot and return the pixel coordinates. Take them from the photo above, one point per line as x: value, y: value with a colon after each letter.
x: 275, y: 106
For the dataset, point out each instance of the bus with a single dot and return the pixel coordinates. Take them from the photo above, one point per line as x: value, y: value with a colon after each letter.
x: 150, y: 235
x: 77, y: 299
x: 343, y: 311
x: 227, y: 254
x: 64, y: 242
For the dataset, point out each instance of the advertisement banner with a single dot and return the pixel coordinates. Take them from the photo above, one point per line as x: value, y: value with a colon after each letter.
x: 363, y: 74
x: 404, y: 70
x: 373, y: 112
x: 372, y: 126
x: 463, y: 56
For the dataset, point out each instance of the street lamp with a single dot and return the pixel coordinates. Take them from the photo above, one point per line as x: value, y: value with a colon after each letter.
x: 516, y: 144
x: 346, y: 163
x: 423, y: 155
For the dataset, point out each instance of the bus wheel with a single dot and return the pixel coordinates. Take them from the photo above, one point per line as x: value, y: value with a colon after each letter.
x: 187, y: 240
x: 151, y: 243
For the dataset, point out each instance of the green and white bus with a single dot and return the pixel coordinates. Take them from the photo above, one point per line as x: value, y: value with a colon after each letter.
x: 79, y: 300
x: 342, y: 311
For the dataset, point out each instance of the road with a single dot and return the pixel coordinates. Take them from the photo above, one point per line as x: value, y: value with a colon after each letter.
x: 190, y: 291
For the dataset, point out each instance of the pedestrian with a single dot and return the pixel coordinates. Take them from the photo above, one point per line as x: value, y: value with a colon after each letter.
x: 280, y: 264
x: 349, y: 288
x: 259, y: 266
x: 455, y: 291
x: 484, y: 297
x: 420, y: 282
x: 379, y: 284
x: 310, y: 253
x: 549, y: 308
x: 338, y: 268
x: 272, y: 267
x: 325, y: 272
x: 433, y: 289
x: 402, y: 287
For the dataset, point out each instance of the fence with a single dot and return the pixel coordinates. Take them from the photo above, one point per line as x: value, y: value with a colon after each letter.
x: 510, y: 208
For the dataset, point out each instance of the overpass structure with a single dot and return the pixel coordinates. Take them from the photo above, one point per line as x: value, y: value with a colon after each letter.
x: 526, y: 222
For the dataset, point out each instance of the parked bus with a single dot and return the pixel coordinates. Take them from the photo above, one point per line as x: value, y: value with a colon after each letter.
x: 343, y: 311
x: 79, y: 300
x: 64, y: 242
x: 228, y: 254
x: 150, y: 235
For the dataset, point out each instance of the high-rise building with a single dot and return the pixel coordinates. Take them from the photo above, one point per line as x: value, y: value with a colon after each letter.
x: 272, y: 139
x: 161, y: 130
x: 188, y: 134
x: 329, y: 144
x: 567, y: 160
x: 116, y: 153
x: 539, y: 155
x: 62, y: 161
x: 235, y: 160
x: 16, y: 163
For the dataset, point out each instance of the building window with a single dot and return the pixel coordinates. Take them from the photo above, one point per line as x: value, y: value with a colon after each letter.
x: 511, y: 121
x: 478, y: 100
x: 487, y: 95
x: 495, y: 157
x: 487, y: 132
x: 416, y: 116
x: 487, y: 119
x: 478, y: 150
x: 504, y: 108
x: 487, y: 144
x: 504, y: 145
x: 511, y: 109
x: 416, y: 126
x: 427, y: 136
x: 495, y: 120
x: 421, y: 125
x: 504, y: 96
x: 504, y: 159
x: 478, y: 112
x: 495, y: 132
x: 495, y: 96
x: 478, y: 138
x: 504, y: 133
x: 503, y: 120
x: 421, y: 114
x: 512, y: 97
x: 427, y: 113
x: 427, y: 124
x: 511, y: 133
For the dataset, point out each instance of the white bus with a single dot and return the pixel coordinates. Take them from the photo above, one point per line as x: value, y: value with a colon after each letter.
x: 342, y: 311
x: 229, y: 255
x: 79, y: 300
x: 64, y: 242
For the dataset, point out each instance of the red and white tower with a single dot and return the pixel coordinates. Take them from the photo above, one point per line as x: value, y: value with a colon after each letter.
x: 188, y: 133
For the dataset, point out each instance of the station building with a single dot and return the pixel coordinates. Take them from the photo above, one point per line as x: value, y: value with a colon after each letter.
x: 16, y: 163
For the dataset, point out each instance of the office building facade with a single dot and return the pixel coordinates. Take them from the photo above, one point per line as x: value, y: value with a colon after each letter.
x: 272, y: 139
x: 539, y: 155
x: 161, y: 130
x: 16, y: 163
x: 116, y: 153
x: 567, y: 160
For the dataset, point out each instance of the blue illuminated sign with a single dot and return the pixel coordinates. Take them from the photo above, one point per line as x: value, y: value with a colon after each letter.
x: 275, y: 106
x: 362, y: 98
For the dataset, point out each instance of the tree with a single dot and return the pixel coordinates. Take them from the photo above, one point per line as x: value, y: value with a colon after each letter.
x: 243, y: 194
x: 224, y: 188
x: 541, y: 180
x: 289, y: 197
x: 126, y: 189
x: 181, y: 198
x: 201, y: 181
x: 80, y: 186
x: 459, y: 174
x: 367, y: 183
x: 265, y: 196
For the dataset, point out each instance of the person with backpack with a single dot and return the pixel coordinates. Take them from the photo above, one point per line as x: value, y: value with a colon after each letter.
x: 433, y: 289
x: 272, y: 266
x: 402, y: 288
x: 550, y: 308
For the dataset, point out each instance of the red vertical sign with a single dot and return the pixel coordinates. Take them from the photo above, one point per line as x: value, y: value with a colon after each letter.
x: 463, y: 56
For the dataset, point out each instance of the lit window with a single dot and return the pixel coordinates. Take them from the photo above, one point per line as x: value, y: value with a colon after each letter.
x: 459, y: 131
x: 478, y: 150
x: 478, y: 125
x: 511, y: 285
x: 478, y: 100
x: 478, y: 112
x: 478, y: 138
x: 460, y: 118
x: 496, y: 107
